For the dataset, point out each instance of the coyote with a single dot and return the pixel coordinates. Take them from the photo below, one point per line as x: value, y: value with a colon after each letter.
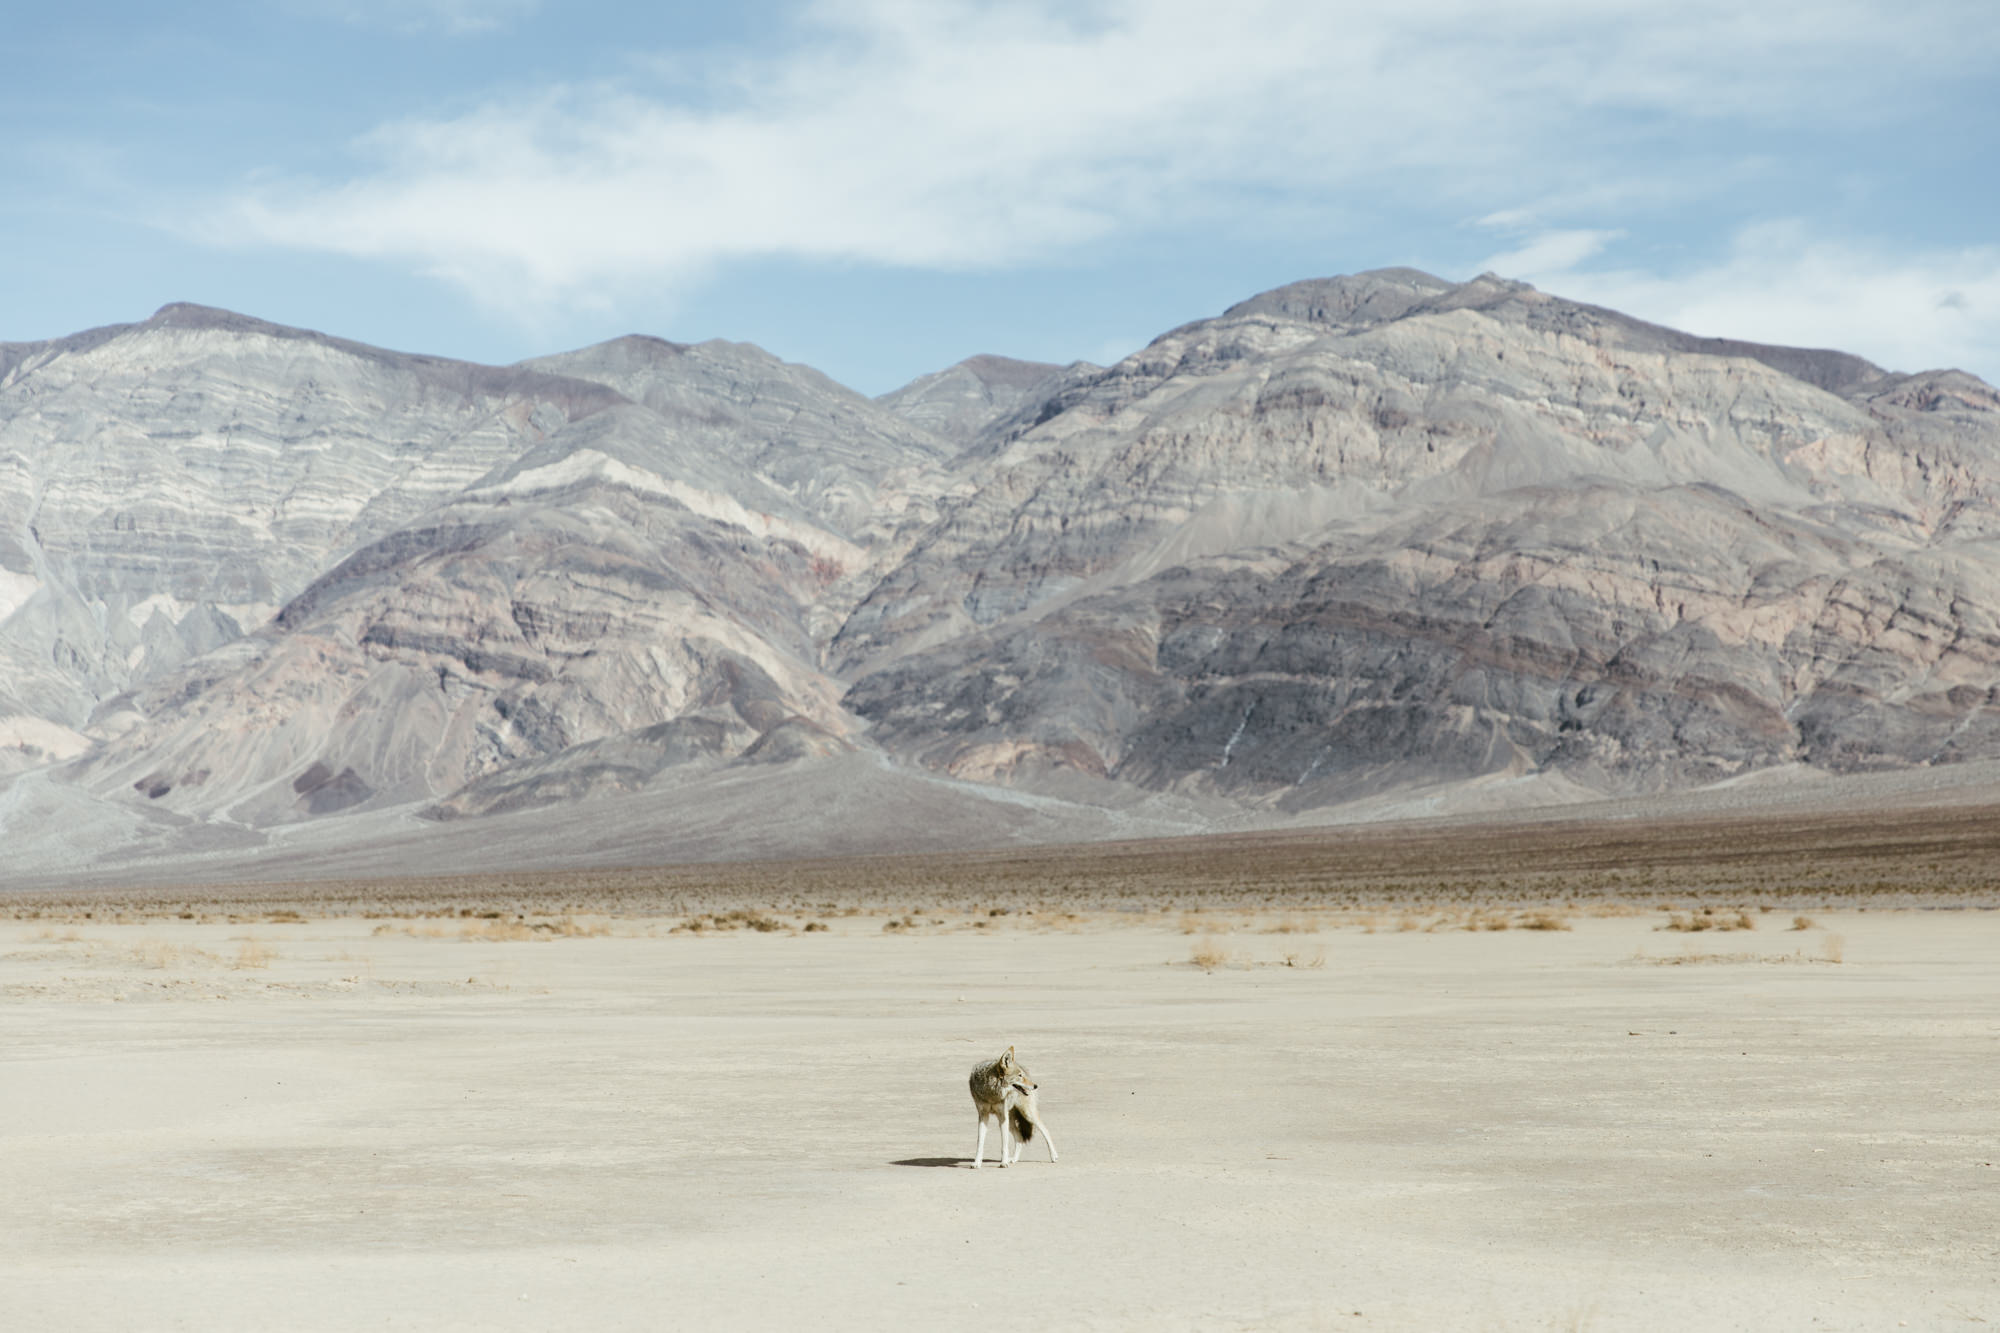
x: 1002, y: 1090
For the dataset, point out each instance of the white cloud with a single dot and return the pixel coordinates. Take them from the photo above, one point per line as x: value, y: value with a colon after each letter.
x: 1780, y: 283
x: 1552, y: 251
x: 951, y: 134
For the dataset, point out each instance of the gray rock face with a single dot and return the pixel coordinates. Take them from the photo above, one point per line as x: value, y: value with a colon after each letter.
x: 1385, y: 530
x: 359, y: 579
x: 1351, y: 535
x: 959, y: 402
x: 1632, y: 642
x: 825, y: 448
x: 554, y: 608
x: 165, y: 486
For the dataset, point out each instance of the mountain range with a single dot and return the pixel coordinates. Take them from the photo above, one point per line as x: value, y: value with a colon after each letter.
x: 1374, y: 543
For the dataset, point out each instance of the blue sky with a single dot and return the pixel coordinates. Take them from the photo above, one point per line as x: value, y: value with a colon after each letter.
x: 882, y: 187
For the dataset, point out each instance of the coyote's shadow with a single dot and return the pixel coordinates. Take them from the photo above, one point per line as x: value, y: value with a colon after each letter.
x: 933, y: 1161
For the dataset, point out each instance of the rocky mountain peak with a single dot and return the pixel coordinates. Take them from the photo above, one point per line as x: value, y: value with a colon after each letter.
x: 997, y: 372
x: 1367, y: 300
x: 1355, y: 300
x: 787, y: 428
x: 962, y: 400
x: 189, y: 315
x: 258, y: 350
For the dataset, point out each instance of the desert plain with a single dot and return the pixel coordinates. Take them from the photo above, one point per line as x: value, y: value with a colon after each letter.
x: 1705, y: 1075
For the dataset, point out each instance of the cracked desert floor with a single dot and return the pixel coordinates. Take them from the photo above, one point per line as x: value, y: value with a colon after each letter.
x: 275, y: 1120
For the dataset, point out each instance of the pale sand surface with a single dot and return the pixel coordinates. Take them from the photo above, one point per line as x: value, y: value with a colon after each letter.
x: 1491, y: 1130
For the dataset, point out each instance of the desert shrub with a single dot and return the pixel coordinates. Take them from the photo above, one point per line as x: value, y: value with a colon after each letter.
x: 494, y: 929
x: 1207, y: 954
x: 503, y: 931
x: 737, y: 919
x: 253, y: 953
x: 156, y: 953
x: 1708, y: 919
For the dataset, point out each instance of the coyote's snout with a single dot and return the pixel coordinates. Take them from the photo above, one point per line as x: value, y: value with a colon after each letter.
x: 1002, y: 1090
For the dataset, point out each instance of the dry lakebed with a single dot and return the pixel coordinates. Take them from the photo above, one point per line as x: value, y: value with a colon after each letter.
x: 445, y: 1106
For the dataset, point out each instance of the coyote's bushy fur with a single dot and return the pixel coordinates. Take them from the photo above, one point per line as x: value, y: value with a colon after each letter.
x: 1002, y: 1090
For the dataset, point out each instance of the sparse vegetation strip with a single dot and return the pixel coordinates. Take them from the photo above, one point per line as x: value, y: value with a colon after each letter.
x: 1411, y: 876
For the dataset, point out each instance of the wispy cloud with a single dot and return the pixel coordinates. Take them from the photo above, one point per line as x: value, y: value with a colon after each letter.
x: 1552, y: 251
x: 1781, y: 283
x: 947, y: 134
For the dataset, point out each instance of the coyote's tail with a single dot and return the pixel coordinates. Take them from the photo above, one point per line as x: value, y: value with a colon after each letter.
x: 1024, y: 1128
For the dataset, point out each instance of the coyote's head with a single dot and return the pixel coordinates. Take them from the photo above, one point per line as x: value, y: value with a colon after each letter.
x: 1015, y: 1074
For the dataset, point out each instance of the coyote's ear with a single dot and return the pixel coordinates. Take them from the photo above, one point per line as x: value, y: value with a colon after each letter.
x: 1009, y: 1055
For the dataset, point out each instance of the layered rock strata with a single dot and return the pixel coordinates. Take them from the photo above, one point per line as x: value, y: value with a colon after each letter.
x: 1354, y: 535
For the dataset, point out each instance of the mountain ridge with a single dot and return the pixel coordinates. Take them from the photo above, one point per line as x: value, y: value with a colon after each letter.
x: 1346, y: 538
